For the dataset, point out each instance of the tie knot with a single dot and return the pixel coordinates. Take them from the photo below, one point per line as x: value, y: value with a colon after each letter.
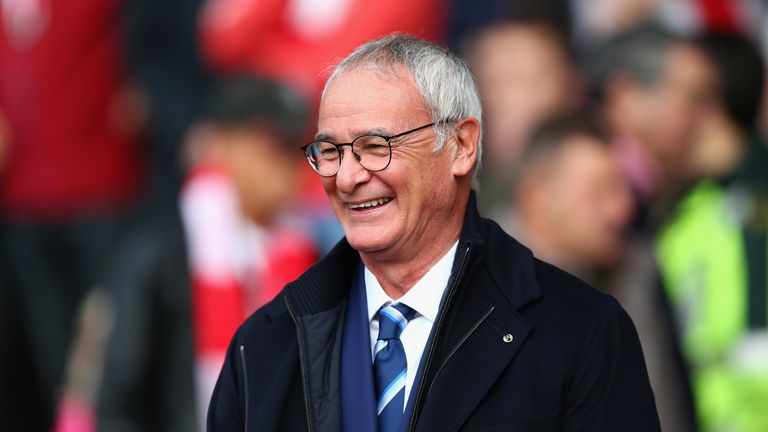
x: 393, y: 319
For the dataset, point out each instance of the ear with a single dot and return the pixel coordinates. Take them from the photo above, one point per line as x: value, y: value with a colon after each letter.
x: 467, y: 137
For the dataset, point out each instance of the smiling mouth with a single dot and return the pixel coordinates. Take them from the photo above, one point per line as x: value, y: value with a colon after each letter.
x: 369, y: 204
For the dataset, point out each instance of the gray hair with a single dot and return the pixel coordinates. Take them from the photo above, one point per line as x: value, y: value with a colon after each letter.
x: 639, y: 53
x: 442, y: 78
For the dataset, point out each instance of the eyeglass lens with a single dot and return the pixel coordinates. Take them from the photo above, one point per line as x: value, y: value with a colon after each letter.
x: 373, y: 153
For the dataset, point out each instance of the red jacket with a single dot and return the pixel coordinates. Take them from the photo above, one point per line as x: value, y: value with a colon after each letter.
x: 61, y: 77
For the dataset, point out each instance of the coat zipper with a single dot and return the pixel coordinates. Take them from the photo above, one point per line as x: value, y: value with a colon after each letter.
x: 302, y: 367
x: 458, y: 345
x: 245, y: 386
x: 430, y: 352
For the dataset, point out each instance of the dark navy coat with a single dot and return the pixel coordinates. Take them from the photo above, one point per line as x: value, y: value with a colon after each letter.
x: 518, y: 345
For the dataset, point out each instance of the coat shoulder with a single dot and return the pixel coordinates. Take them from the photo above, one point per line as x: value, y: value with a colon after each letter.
x: 573, y: 304
x: 272, y: 318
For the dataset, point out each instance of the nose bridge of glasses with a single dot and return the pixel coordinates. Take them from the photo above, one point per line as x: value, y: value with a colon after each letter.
x: 339, y: 147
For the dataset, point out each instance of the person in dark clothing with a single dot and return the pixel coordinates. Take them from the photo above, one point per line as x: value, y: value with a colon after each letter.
x: 147, y: 381
x: 425, y: 316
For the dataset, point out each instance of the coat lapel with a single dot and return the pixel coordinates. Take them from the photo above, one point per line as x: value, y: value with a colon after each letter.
x: 486, y: 330
x: 465, y: 377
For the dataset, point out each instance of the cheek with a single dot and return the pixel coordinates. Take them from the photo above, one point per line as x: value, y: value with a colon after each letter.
x: 329, y: 186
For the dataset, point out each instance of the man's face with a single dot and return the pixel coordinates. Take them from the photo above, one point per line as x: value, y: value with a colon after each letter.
x: 264, y: 173
x: 518, y: 95
x: 589, y: 202
x: 418, y: 188
x: 677, y: 102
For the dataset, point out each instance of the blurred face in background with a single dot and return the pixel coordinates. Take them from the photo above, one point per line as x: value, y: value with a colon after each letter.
x: 580, y: 204
x: 679, y: 100
x: 717, y: 146
x: 524, y: 77
x: 263, y: 169
x: 666, y: 114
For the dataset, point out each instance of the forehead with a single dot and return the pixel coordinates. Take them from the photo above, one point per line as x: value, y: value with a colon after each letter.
x: 363, y: 100
x: 685, y: 61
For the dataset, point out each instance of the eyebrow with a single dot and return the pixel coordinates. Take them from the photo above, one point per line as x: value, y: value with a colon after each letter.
x: 359, y: 133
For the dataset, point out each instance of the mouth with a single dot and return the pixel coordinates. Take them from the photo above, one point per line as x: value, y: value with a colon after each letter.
x: 369, y: 204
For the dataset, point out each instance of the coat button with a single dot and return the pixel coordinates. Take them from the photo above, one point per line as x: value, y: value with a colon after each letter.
x: 507, y: 338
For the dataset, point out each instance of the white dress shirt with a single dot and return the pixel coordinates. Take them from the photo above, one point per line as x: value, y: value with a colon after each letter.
x: 424, y: 297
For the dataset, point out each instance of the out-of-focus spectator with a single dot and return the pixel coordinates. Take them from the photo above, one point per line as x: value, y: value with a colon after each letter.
x: 466, y: 17
x: 525, y: 75
x: 573, y: 203
x: 653, y: 88
x: 573, y: 208
x: 171, y: 83
x: 70, y: 169
x: 146, y: 372
x: 713, y: 253
x: 242, y: 247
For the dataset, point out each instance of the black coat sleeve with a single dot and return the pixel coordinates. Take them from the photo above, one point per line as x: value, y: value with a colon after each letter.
x: 227, y: 407
x: 611, y: 390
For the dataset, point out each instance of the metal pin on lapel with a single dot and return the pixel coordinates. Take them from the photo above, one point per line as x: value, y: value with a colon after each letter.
x: 507, y: 338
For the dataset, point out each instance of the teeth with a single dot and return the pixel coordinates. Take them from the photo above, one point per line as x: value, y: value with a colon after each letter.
x: 373, y: 203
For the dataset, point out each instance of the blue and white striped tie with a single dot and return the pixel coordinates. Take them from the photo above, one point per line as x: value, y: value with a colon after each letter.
x: 389, y: 365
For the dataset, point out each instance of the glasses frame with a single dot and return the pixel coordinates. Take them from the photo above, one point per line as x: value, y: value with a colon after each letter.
x: 388, y: 139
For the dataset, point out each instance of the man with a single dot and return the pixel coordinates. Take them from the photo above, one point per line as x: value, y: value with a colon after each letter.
x: 572, y: 201
x: 70, y: 179
x: 712, y: 252
x: 653, y: 88
x: 425, y: 316
x: 518, y: 96
x: 573, y: 208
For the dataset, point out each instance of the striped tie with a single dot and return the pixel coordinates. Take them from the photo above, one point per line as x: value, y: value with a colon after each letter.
x: 389, y: 365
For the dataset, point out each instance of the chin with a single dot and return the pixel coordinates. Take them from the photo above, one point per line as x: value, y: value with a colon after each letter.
x: 364, y: 245
x: 363, y: 240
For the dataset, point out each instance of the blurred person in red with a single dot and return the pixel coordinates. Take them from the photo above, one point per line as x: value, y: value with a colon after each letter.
x: 653, y: 88
x: 518, y: 95
x: 243, y: 246
x: 573, y: 203
x: 69, y: 170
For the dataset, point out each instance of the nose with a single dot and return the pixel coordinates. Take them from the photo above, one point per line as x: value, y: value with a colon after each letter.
x: 351, y: 172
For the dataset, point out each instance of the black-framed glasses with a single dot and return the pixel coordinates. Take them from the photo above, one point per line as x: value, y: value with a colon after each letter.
x: 374, y: 152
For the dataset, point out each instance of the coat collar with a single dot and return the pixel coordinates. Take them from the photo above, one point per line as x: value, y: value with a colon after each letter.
x: 508, y: 263
x: 495, y: 280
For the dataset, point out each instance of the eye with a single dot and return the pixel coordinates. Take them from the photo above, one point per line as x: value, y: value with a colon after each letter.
x: 324, y: 151
x: 372, y: 146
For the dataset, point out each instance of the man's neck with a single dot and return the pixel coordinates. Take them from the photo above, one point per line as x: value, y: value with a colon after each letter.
x: 400, y: 271
x: 398, y: 277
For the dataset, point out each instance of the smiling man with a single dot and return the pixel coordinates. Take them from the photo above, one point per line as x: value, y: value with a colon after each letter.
x: 425, y: 317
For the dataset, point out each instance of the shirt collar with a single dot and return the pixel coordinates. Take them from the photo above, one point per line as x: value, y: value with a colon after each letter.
x: 424, y: 297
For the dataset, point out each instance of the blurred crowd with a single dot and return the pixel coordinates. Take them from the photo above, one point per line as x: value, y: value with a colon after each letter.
x: 153, y: 194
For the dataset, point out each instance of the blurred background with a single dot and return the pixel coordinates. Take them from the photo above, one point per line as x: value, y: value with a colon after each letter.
x: 153, y: 195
